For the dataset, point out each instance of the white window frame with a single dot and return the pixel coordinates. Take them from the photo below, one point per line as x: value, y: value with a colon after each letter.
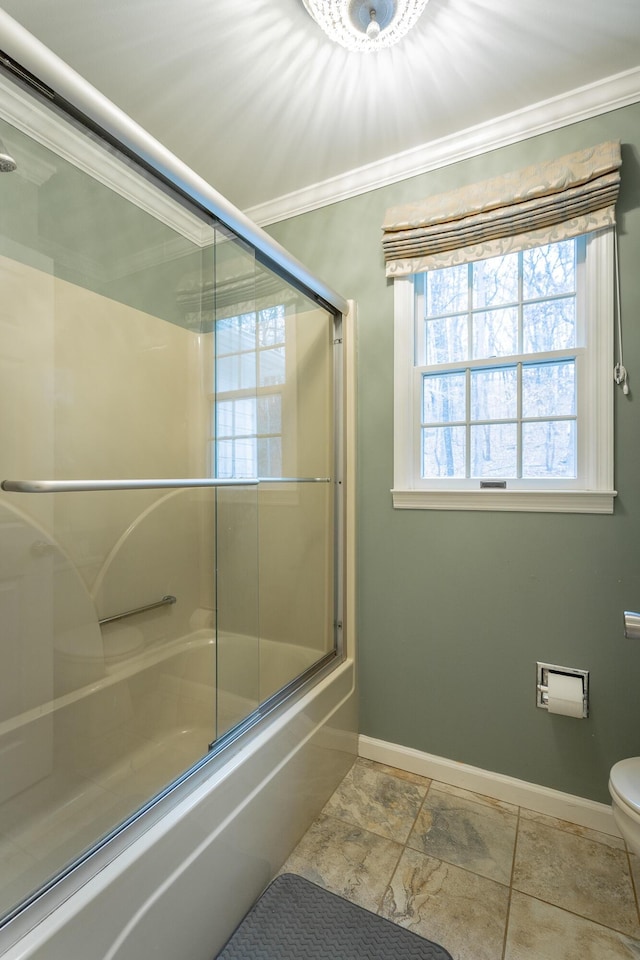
x: 592, y: 491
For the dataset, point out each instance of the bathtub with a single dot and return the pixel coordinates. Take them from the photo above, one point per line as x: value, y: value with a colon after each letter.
x: 178, y: 880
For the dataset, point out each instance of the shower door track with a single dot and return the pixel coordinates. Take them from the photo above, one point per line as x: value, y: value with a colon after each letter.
x: 75, y: 486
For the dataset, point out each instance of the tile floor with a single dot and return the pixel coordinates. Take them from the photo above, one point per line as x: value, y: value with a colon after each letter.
x: 486, y: 879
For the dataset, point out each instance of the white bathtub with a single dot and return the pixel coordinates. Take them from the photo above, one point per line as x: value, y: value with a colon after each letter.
x: 178, y: 881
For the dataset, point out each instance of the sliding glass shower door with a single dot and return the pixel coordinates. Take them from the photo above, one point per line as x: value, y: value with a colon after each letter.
x: 167, y: 519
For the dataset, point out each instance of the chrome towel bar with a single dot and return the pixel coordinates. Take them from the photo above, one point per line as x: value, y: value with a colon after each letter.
x: 166, y: 601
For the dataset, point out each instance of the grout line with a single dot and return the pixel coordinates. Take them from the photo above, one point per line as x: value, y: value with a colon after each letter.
x: 393, y: 873
x: 513, y: 868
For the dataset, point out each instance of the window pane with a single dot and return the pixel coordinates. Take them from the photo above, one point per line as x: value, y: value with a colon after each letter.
x: 494, y: 450
x: 549, y: 326
x: 446, y: 340
x: 245, y: 459
x: 235, y: 334
x: 245, y: 417
x: 271, y: 326
x: 237, y: 372
x: 549, y: 449
x: 225, y: 459
x: 447, y: 290
x: 270, y: 457
x: 549, y: 389
x: 495, y: 333
x: 224, y: 412
x: 549, y: 270
x: 227, y: 373
x: 443, y: 452
x: 227, y: 339
x: 272, y: 369
x: 270, y: 414
x: 246, y: 329
x: 494, y: 394
x: 444, y: 398
x: 495, y: 281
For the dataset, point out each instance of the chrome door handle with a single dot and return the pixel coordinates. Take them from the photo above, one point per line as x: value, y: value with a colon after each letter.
x: 631, y: 625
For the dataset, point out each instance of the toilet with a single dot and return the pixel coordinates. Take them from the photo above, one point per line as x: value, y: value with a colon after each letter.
x: 624, y: 787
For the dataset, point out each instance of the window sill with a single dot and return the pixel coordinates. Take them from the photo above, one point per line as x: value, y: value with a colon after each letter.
x: 526, y: 501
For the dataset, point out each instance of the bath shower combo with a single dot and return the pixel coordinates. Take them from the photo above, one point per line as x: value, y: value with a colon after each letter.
x: 177, y: 693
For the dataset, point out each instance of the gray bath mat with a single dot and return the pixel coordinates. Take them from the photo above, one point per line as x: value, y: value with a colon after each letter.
x: 297, y: 920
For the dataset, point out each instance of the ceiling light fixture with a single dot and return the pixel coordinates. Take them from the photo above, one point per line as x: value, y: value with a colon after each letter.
x: 365, y: 25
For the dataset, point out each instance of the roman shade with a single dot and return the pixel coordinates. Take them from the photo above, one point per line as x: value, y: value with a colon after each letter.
x: 546, y: 202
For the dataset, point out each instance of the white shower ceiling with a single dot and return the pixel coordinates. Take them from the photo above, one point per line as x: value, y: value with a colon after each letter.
x: 258, y: 101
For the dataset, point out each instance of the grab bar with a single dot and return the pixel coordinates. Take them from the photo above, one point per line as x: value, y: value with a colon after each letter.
x: 149, y: 606
x: 74, y: 486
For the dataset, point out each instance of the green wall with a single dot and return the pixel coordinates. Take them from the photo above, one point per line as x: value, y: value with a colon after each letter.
x: 456, y: 607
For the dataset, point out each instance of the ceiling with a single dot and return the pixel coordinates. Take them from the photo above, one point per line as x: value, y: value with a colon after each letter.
x: 254, y: 97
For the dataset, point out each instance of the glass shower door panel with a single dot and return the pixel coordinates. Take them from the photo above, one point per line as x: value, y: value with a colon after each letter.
x: 105, y: 298
x: 274, y: 422
x: 238, y: 629
x: 296, y: 536
x: 234, y: 456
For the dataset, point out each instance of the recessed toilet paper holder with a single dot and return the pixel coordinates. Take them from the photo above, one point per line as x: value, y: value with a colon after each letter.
x: 542, y: 684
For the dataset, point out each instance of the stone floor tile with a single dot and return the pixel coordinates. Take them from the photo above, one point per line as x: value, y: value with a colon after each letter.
x: 345, y: 859
x: 575, y: 828
x: 377, y: 801
x: 462, y: 911
x: 538, y: 930
x: 576, y: 874
x: 476, y: 836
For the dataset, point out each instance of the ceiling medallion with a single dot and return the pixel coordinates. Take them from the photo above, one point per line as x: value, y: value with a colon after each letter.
x: 365, y: 25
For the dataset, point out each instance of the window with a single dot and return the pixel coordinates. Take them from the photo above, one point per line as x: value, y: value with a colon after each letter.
x: 250, y: 379
x: 503, y: 369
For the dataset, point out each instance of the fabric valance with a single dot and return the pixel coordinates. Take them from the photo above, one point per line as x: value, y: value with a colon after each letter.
x: 549, y: 201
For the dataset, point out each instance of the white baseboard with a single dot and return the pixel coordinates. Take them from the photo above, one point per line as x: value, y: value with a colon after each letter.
x: 533, y: 796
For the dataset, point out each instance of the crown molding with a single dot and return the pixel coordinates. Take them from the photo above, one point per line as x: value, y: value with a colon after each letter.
x: 582, y: 103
